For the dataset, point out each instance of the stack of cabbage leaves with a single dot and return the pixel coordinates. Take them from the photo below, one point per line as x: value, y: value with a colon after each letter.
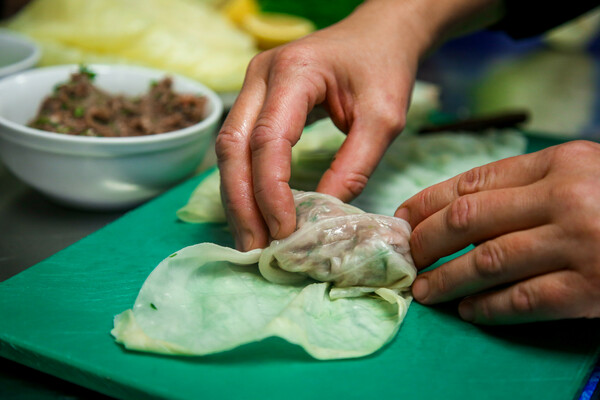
x: 186, y: 37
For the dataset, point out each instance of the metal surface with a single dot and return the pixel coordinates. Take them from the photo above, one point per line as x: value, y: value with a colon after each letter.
x: 33, y: 228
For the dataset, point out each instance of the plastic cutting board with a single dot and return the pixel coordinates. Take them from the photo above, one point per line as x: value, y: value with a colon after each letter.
x: 56, y: 317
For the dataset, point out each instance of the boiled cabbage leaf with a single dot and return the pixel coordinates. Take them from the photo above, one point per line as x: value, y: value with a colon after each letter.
x: 204, y: 205
x: 180, y: 36
x: 338, y: 293
x: 411, y: 164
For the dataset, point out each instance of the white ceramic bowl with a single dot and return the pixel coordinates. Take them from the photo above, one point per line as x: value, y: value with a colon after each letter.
x: 17, y: 53
x: 96, y: 172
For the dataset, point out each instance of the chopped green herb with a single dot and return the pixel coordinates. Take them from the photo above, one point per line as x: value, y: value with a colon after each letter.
x: 63, y: 129
x: 42, y: 121
x: 83, y: 69
x: 153, y: 306
x: 172, y: 255
x: 56, y: 87
x: 89, y: 132
x: 79, y: 112
x: 153, y: 83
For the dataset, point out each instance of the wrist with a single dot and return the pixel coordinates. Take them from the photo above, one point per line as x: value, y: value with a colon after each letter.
x: 466, y: 16
x: 430, y: 22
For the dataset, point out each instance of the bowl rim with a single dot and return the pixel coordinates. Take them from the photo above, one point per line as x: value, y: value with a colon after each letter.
x: 34, y: 56
x: 211, y: 118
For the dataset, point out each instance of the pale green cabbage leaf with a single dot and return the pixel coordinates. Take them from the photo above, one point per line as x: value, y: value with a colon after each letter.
x: 204, y: 205
x: 338, y: 287
x: 180, y: 36
x: 411, y: 164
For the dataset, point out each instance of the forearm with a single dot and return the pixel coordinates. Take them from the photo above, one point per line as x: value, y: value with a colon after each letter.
x: 430, y: 22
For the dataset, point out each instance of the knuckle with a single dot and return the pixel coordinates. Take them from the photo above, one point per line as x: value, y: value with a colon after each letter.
x: 416, y: 241
x: 522, y: 299
x: 261, y: 191
x: 461, y: 213
x: 391, y: 119
x: 475, y: 179
x: 425, y: 201
x: 441, y: 281
x: 575, y: 195
x: 233, y: 206
x: 485, y: 310
x: 355, y: 182
x: 575, y: 150
x: 294, y: 57
x: 256, y: 62
x: 264, y: 133
x: 489, y: 259
x: 228, y: 142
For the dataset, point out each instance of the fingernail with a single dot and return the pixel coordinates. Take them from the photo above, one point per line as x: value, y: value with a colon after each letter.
x: 274, y: 225
x: 403, y: 213
x: 420, y: 289
x: 466, y: 311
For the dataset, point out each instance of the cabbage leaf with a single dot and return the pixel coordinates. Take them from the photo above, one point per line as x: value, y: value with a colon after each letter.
x: 180, y: 36
x: 411, y: 164
x: 338, y: 287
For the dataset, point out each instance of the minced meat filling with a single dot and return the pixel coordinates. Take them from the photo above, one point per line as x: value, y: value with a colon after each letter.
x: 79, y: 108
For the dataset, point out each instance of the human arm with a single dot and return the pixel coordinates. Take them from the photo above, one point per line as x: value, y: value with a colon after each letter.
x: 362, y: 69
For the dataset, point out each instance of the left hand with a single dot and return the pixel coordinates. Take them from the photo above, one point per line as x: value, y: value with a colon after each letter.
x: 535, y: 221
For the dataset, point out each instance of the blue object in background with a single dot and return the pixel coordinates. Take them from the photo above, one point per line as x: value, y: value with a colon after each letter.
x: 489, y: 72
x: 591, y: 391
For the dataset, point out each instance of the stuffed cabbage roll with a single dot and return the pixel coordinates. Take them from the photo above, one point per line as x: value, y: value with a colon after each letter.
x: 338, y: 287
x: 339, y: 243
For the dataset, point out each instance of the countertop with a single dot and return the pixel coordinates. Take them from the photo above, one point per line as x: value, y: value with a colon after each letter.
x: 34, y: 228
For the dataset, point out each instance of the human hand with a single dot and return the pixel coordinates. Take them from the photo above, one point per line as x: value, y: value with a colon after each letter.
x: 361, y: 69
x: 535, y: 221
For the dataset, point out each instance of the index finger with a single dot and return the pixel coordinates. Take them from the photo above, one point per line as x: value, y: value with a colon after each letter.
x: 279, y: 125
x: 509, y: 172
x: 233, y: 154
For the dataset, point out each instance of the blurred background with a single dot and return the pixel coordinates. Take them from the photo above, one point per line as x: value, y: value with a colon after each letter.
x: 554, y: 76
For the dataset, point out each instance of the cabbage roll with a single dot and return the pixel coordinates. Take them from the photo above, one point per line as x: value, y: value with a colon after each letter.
x: 338, y: 287
x: 339, y: 243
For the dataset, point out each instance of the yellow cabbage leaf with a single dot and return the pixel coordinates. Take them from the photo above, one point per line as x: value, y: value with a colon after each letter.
x: 180, y: 36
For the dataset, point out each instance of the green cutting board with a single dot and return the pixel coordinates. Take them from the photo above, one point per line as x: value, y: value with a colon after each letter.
x: 56, y: 317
